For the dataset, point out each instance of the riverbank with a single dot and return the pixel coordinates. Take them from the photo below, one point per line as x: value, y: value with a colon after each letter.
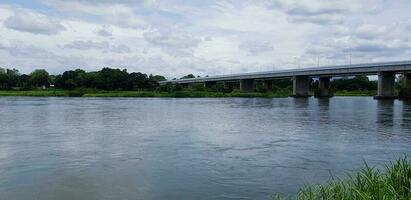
x: 177, y: 94
x: 369, y: 183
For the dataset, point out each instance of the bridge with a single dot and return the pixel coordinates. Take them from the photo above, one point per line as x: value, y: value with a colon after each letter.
x: 386, y: 72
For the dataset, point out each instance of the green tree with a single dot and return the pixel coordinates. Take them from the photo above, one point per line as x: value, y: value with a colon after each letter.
x: 3, y: 80
x: 188, y: 76
x: 158, y: 78
x: 24, y: 81
x: 40, y: 77
x: 138, y: 80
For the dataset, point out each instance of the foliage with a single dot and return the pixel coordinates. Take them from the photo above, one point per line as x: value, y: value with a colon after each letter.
x: 188, y: 76
x: 109, y: 79
x: 367, y: 184
x: 105, y: 79
x: 354, y: 84
x: 355, y: 93
x: 39, y: 77
x: 8, y: 78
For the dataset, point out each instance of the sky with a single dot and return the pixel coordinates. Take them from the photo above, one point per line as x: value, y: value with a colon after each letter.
x: 202, y: 37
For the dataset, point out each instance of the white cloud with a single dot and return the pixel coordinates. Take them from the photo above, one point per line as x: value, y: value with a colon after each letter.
x: 32, y: 22
x: 104, y: 32
x: 87, y: 45
x: 318, y: 11
x: 172, y: 39
x: 202, y: 37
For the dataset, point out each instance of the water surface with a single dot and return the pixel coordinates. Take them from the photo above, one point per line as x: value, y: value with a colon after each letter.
x: 231, y: 148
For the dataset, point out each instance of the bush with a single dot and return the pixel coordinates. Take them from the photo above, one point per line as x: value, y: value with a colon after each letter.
x: 368, y: 184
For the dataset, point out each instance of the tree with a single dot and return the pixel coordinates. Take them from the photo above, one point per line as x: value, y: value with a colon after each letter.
x: 158, y: 78
x: 40, y: 77
x: 351, y: 84
x: 72, y: 79
x: 8, y: 78
x: 138, y: 80
x: 3, y: 80
x: 113, y: 79
x: 24, y: 81
x: 188, y: 76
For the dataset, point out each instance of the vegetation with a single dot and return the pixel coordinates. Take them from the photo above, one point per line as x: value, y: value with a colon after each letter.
x: 105, y: 79
x: 394, y: 183
x: 120, y: 83
x: 356, y: 93
x: 358, y: 83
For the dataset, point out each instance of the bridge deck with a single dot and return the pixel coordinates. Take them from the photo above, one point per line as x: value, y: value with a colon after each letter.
x: 337, y: 70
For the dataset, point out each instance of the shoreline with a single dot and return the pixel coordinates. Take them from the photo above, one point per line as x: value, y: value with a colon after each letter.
x: 156, y: 94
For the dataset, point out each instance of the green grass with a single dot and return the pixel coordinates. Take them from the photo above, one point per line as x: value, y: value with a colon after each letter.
x: 355, y: 93
x: 393, y: 183
x: 35, y: 93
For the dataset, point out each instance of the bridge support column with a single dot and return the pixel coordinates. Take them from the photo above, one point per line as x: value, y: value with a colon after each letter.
x: 323, y: 87
x: 268, y: 85
x: 247, y: 85
x: 301, y: 86
x: 209, y: 84
x: 405, y: 92
x: 386, y: 83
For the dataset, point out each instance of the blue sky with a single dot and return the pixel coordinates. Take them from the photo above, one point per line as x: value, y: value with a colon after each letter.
x: 203, y: 37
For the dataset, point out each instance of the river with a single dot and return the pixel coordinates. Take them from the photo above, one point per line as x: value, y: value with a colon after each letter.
x: 165, y: 148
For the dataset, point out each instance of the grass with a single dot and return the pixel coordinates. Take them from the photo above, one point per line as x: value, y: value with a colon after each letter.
x: 34, y: 93
x: 393, y: 183
x: 355, y: 93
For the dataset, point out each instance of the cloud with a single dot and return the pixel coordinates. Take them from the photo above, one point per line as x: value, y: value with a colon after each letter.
x: 87, y: 45
x: 370, y: 31
x: 316, y: 11
x: 210, y: 37
x: 105, y: 46
x: 172, y: 39
x: 119, y: 13
x: 31, y: 22
x: 121, y: 49
x: 256, y: 47
x: 22, y: 50
x: 364, y: 43
x: 94, y: 2
x: 27, y: 57
x: 104, y: 32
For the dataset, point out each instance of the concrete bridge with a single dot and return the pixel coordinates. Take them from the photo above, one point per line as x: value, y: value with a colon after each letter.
x: 386, y: 72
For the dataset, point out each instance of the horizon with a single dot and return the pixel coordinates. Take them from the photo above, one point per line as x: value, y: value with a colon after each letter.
x: 176, y: 38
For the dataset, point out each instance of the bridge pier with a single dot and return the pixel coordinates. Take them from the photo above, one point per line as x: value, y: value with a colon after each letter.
x: 301, y: 86
x: 209, y: 84
x: 323, y: 87
x: 386, y: 85
x: 268, y: 85
x: 247, y: 85
x: 405, y: 92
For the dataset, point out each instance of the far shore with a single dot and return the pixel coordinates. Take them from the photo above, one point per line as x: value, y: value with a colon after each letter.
x: 176, y: 94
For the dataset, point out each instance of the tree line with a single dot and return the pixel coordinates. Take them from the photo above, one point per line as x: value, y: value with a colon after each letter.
x: 105, y: 79
x: 120, y: 79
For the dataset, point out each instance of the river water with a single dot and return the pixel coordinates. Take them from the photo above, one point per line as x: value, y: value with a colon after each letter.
x: 229, y: 148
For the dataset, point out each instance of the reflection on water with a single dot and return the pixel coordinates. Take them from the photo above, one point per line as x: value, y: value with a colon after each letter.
x: 406, y: 114
x: 385, y: 112
x: 124, y: 148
